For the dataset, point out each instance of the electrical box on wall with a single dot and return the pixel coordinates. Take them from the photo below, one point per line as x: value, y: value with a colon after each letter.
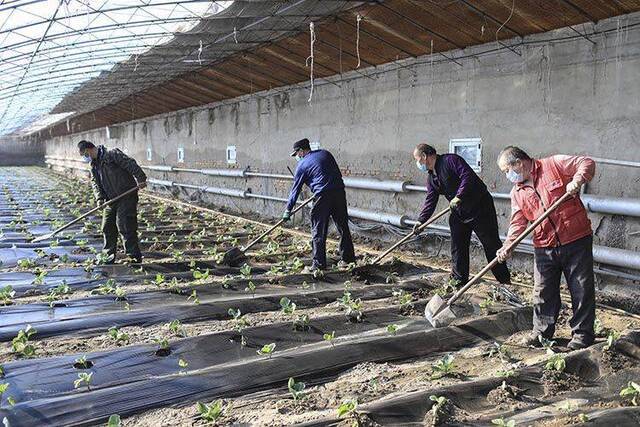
x: 180, y: 154
x: 113, y: 132
x: 231, y: 155
x: 470, y: 149
x: 149, y: 154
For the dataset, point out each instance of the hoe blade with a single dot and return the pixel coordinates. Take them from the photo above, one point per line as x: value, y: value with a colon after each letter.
x: 42, y: 238
x: 233, y: 257
x: 438, y: 312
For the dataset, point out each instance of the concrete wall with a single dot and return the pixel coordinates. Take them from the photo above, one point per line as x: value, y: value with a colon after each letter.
x: 21, y: 152
x: 571, y: 96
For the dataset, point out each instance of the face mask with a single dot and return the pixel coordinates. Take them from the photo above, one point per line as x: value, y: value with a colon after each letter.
x: 86, y: 159
x: 298, y: 158
x: 514, y: 177
x: 421, y: 167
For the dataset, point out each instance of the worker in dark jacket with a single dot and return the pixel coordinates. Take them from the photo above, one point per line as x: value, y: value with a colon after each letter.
x: 319, y: 171
x: 113, y: 173
x: 472, y: 209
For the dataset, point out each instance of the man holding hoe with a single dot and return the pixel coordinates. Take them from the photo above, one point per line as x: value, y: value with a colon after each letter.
x: 563, y: 243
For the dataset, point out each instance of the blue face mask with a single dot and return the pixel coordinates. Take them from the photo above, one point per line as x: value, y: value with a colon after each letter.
x: 514, y: 177
x: 299, y: 158
x: 86, y: 159
x: 422, y: 167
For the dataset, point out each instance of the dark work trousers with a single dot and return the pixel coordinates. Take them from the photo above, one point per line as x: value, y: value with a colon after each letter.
x: 485, y: 225
x: 575, y: 261
x: 122, y: 216
x: 330, y: 204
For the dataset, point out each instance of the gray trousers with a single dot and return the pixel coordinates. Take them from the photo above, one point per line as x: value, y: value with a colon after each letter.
x: 575, y: 261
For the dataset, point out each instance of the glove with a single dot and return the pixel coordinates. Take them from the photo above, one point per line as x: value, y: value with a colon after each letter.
x: 573, y: 187
x: 286, y: 216
x: 416, y: 226
x: 454, y: 202
x: 503, y: 254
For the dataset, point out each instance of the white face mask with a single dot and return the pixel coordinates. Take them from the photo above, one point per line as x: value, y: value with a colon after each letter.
x: 514, y: 177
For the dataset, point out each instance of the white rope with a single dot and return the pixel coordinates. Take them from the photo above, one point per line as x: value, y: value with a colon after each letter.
x: 358, y: 19
x: 513, y: 7
x: 200, y: 53
x: 309, y: 61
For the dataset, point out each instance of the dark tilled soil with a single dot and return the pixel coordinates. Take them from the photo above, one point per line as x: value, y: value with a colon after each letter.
x: 614, y: 361
x: 556, y: 382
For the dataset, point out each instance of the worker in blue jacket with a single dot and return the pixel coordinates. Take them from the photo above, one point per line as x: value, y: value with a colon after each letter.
x: 319, y: 171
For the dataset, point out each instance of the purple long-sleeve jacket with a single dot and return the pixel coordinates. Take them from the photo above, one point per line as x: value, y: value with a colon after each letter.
x: 453, y: 177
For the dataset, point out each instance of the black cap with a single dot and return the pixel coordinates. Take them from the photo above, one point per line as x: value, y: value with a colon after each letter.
x: 303, y: 144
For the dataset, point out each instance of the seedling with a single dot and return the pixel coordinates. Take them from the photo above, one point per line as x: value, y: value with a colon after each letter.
x: 201, y: 275
x: 631, y: 392
x: 114, y: 421
x: 556, y: 363
x: 547, y: 344
x: 20, y: 344
x: 26, y: 263
x: 347, y: 408
x: 391, y: 278
x: 301, y: 323
x: 353, y: 307
x: 329, y: 337
x: 108, y: 288
x: 439, y: 403
x: 159, y: 280
x: 443, y: 367
x: 267, y: 350
x: 501, y: 351
x: 194, y: 297
x: 583, y: 418
x: 392, y: 329
x: 182, y: 363
x: 296, y: 389
x: 57, y: 292
x: 239, y: 323
x: 176, y: 328
x: 612, y: 338
x: 506, y: 373
x: 83, y: 378
x: 502, y: 423
x: 404, y: 298
x: 163, y: 344
x: 10, y: 399
x: 245, y: 271
x: 40, y: 275
x: 6, y: 295
x: 82, y: 363
x: 251, y: 287
x: 118, y: 336
x: 598, y: 327
x: 211, y: 412
x: 288, y: 306
x: 486, y: 304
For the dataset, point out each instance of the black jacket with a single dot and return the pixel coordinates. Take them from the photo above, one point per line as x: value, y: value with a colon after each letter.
x: 113, y: 173
x: 453, y: 177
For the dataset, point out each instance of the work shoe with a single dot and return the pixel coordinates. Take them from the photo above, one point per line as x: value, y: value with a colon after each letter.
x: 532, y: 340
x: 576, y: 344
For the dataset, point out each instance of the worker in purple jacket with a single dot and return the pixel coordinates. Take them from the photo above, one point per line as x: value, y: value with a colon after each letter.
x: 471, y: 205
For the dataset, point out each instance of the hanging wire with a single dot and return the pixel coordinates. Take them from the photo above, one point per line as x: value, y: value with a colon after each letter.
x: 358, y: 19
x: 200, y: 53
x: 135, y: 60
x: 309, y: 61
x: 235, y: 35
x: 513, y: 7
